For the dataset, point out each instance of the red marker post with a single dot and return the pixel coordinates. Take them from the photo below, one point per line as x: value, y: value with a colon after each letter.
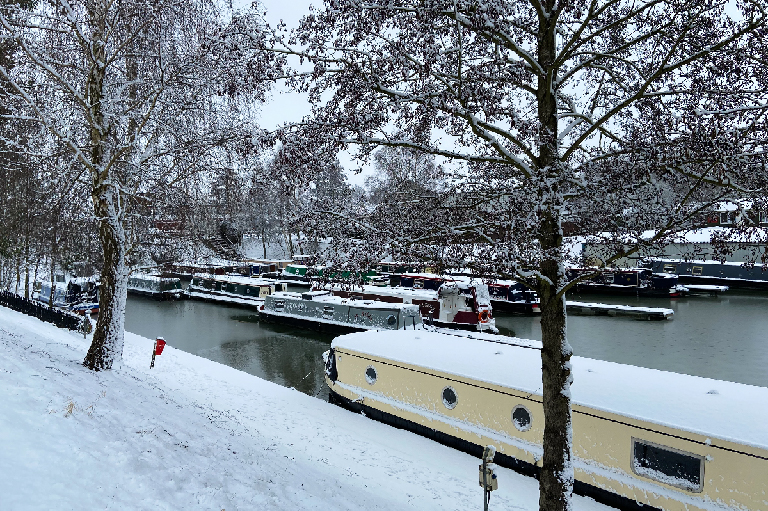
x: 157, y: 350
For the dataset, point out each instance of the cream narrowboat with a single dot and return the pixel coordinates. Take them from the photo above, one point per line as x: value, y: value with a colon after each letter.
x: 641, y: 437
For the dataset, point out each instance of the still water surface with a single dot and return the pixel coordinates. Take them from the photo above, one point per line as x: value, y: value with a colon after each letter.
x: 724, y: 338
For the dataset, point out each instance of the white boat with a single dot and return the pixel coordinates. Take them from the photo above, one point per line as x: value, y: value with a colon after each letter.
x: 641, y: 437
x: 446, y: 302
x: 322, y: 312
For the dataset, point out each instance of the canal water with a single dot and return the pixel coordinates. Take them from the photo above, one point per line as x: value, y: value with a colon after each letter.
x: 723, y: 337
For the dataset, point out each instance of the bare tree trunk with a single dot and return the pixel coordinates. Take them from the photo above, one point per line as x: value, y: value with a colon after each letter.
x: 37, y: 267
x: 264, y: 242
x: 556, y: 482
x: 26, y: 266
x: 556, y: 479
x: 18, y: 273
x: 108, y: 337
x: 53, y: 280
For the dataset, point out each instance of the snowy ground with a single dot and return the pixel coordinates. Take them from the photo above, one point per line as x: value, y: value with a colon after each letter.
x: 194, y: 434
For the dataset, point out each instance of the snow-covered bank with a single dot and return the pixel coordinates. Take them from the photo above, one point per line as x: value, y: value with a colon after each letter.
x: 194, y: 434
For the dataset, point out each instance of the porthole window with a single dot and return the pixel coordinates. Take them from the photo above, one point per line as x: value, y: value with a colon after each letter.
x: 521, y: 418
x: 370, y: 375
x: 391, y: 320
x: 450, y: 399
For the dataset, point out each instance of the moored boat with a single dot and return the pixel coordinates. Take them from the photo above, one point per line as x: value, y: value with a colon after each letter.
x: 513, y: 296
x: 641, y: 437
x: 446, y: 302
x: 234, y: 290
x: 155, y: 286
x: 627, y: 281
x: 77, y: 294
x: 320, y: 311
x: 734, y: 275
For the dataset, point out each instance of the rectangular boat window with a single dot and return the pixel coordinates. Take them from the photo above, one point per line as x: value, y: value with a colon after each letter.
x: 670, y: 268
x: 608, y: 278
x: 667, y: 465
x: 328, y: 312
x: 697, y: 270
x: 279, y: 305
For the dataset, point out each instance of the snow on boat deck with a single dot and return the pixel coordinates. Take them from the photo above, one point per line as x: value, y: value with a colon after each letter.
x: 625, y: 309
x: 726, y: 410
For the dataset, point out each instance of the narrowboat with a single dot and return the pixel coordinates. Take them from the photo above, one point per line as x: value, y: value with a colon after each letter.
x: 731, y: 274
x: 300, y: 274
x: 454, y: 302
x: 641, y: 437
x: 628, y: 281
x: 323, y: 312
x: 155, y: 286
x: 78, y: 294
x: 513, y: 296
x: 231, y: 289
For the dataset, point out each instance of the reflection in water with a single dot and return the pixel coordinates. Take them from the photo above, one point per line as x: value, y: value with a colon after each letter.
x: 235, y: 337
x: 723, y: 338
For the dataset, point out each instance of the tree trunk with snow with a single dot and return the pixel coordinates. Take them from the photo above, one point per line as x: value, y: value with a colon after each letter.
x: 107, y: 345
x: 557, y: 470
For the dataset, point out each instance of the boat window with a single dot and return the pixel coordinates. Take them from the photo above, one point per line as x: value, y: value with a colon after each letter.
x: 450, y: 399
x: 370, y: 375
x: 608, y: 278
x: 521, y: 418
x: 279, y: 305
x: 667, y: 465
x: 391, y: 320
x: 328, y: 311
x: 697, y: 270
x: 670, y: 268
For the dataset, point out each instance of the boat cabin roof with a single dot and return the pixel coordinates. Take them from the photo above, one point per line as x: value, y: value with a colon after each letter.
x: 726, y: 410
x: 238, y: 279
x: 153, y: 278
x: 337, y: 300
x: 700, y: 261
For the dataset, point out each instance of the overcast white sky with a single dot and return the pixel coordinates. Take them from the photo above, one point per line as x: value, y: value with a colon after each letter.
x: 287, y: 106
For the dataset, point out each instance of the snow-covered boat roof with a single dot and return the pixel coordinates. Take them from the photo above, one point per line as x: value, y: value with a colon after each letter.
x: 238, y: 279
x: 419, y: 294
x: 337, y: 300
x: 699, y: 261
x: 152, y: 278
x: 702, y: 235
x: 726, y: 410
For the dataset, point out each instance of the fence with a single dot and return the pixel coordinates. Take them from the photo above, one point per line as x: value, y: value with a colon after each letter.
x: 42, y: 312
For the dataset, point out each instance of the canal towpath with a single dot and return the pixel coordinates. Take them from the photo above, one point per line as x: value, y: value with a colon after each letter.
x: 195, y: 434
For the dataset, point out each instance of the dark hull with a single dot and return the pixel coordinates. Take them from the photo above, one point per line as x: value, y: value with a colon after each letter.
x: 514, y: 307
x: 308, y: 324
x: 207, y: 296
x: 579, y: 487
x: 758, y: 285
x: 162, y: 296
x: 470, y: 327
x: 625, y: 291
